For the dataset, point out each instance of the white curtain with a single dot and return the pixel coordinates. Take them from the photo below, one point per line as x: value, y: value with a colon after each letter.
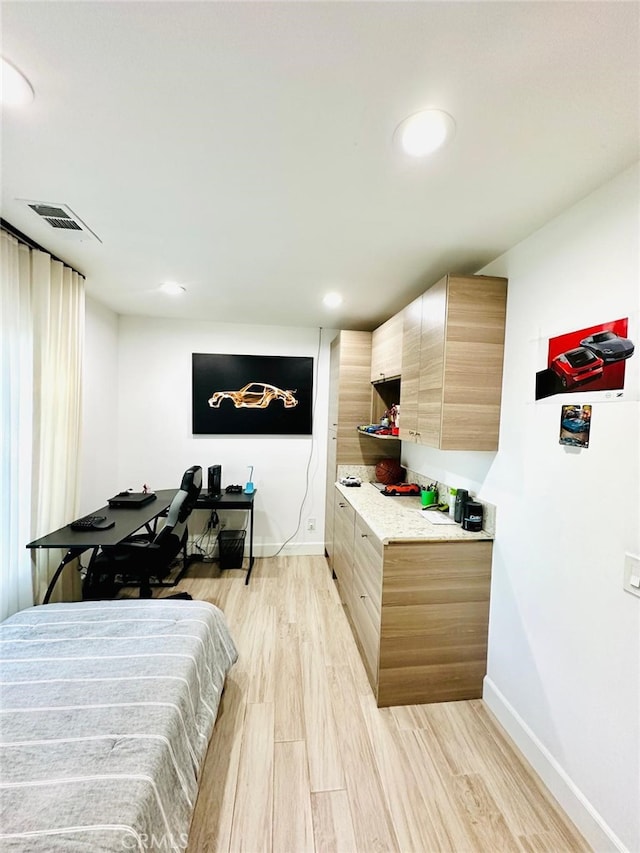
x: 16, y: 387
x: 43, y: 403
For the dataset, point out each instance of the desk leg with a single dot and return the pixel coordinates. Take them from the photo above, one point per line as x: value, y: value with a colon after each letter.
x: 246, y: 580
x: 71, y: 555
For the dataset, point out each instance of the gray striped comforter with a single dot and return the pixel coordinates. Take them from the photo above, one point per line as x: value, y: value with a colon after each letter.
x: 106, y: 710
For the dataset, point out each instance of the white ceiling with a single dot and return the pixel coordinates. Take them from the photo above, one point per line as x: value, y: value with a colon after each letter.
x: 245, y: 149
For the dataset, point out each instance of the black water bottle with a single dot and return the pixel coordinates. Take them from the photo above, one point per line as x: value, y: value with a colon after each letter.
x: 462, y: 496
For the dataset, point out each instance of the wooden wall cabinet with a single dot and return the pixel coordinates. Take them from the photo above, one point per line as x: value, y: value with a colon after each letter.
x: 452, y: 354
x: 386, y: 350
x: 349, y: 406
x: 419, y: 611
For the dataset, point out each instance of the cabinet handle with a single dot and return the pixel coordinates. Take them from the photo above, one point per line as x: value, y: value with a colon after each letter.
x: 364, y: 535
x: 363, y: 596
x: 342, y: 505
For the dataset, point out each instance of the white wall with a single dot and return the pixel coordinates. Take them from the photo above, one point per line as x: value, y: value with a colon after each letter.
x: 564, y: 637
x: 564, y: 644
x: 156, y: 445
x: 99, y: 478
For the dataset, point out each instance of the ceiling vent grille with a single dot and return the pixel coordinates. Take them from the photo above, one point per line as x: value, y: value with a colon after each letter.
x: 62, y: 219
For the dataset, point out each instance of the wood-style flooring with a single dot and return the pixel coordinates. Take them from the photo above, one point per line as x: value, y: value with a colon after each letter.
x: 301, y: 759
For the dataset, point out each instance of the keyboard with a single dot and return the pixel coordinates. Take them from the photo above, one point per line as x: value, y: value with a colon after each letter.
x: 91, y: 522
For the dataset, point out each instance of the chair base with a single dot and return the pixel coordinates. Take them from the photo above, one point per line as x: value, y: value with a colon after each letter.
x: 99, y: 584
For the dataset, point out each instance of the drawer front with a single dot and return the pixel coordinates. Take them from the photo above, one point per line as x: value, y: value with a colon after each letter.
x: 367, y: 565
x: 366, y: 623
x: 342, y: 563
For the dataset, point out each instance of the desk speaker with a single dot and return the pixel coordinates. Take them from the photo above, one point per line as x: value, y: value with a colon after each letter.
x: 214, y: 480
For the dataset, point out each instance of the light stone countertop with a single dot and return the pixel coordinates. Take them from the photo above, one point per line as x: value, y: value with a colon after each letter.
x: 400, y: 519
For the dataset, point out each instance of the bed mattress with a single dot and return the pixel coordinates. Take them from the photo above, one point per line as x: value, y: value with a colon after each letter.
x: 106, y: 710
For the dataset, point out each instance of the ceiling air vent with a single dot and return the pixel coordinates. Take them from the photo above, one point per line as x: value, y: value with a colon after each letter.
x: 61, y: 218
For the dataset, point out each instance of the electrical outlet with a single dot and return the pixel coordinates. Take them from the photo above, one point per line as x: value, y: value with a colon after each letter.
x: 311, y: 524
x: 632, y: 574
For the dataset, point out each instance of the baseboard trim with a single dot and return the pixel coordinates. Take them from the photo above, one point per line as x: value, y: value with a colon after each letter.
x: 270, y: 549
x: 291, y: 549
x: 586, y: 818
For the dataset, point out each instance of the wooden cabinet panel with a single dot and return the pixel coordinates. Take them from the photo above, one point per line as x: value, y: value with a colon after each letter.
x: 349, y: 405
x: 366, y: 623
x: 330, y: 494
x: 410, y: 387
x: 386, y: 350
x: 455, y: 404
x: 350, y: 398
x: 437, y: 572
x: 472, y: 382
x: 343, y: 533
x: 418, y: 685
x: 367, y: 565
x: 419, y: 613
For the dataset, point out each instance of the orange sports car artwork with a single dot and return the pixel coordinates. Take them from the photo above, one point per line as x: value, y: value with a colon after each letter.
x: 255, y: 395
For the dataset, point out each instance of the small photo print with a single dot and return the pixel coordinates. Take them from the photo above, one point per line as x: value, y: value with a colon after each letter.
x: 575, y: 423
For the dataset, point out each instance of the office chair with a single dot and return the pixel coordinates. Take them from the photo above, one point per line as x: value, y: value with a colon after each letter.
x: 140, y: 558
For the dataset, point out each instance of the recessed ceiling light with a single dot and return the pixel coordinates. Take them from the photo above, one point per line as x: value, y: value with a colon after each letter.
x: 15, y: 89
x: 172, y: 288
x: 332, y: 300
x: 423, y: 133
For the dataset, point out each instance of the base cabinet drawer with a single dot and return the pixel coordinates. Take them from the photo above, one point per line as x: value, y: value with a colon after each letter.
x: 343, y: 536
x: 365, y: 620
x: 419, y: 612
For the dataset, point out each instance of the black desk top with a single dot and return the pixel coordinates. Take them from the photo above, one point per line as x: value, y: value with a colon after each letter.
x: 231, y: 500
x: 127, y: 521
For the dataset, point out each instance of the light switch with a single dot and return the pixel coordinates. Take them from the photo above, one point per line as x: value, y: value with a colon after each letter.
x: 632, y: 574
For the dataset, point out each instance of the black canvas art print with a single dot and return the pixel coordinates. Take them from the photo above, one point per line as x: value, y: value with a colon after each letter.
x: 252, y: 394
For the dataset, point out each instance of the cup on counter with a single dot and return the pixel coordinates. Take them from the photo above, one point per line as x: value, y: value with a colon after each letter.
x: 428, y: 497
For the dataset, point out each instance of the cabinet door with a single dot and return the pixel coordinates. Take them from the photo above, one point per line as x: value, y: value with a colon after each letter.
x: 343, y: 530
x: 435, y: 619
x: 354, y: 400
x: 474, y: 352
x: 434, y: 310
x: 386, y: 350
x: 367, y: 596
x: 409, y: 389
x: 330, y: 494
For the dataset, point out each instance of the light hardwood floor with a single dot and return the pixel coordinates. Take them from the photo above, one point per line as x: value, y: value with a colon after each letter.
x: 301, y: 759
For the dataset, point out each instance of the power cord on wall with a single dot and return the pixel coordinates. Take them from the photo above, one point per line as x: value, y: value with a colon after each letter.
x: 311, y: 449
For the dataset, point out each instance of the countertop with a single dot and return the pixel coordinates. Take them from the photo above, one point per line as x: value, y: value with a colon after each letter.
x: 400, y: 519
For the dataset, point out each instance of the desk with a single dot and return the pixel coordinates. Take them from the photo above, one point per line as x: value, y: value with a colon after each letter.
x: 127, y: 521
x: 232, y: 501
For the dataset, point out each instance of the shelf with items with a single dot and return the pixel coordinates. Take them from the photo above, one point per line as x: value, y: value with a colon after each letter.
x: 384, y: 396
x: 366, y: 430
x: 385, y: 411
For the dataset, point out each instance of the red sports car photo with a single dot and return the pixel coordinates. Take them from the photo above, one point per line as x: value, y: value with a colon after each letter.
x: 577, y: 366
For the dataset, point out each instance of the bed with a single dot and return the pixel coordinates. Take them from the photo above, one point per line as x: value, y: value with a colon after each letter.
x: 106, y: 711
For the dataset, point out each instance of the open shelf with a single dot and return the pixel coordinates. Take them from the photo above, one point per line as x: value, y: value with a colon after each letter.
x: 379, y: 437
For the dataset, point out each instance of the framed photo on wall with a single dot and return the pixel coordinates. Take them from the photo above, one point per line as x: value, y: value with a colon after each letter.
x: 251, y: 394
x: 587, y: 360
